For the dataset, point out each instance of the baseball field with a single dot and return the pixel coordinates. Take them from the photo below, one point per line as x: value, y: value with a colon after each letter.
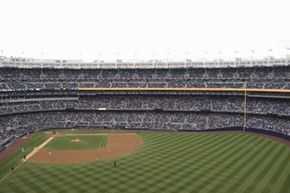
x: 147, y: 162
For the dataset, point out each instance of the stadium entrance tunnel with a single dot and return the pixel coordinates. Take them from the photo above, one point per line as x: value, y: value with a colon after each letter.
x: 118, y: 145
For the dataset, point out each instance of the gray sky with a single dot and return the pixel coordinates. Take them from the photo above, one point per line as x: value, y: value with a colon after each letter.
x: 109, y: 29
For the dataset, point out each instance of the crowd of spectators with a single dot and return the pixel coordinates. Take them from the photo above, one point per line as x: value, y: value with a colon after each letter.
x: 256, y: 77
x: 179, y: 112
x: 151, y: 102
x: 23, y: 123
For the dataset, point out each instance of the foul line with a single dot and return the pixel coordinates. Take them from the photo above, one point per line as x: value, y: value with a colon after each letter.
x: 35, y: 150
x: 3, y: 178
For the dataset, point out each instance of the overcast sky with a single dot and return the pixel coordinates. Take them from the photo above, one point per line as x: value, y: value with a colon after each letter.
x: 91, y: 29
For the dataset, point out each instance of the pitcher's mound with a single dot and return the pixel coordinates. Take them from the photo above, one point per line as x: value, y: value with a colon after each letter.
x: 77, y: 140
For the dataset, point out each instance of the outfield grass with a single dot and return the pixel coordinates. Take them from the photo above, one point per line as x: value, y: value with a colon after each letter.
x: 171, y: 163
x: 86, y: 143
x: 16, y: 158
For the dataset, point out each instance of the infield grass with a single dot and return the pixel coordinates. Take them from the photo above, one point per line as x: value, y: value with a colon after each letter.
x: 85, y: 143
x: 169, y: 163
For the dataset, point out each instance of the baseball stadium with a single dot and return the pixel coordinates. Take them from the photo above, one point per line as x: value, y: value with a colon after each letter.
x: 212, y: 126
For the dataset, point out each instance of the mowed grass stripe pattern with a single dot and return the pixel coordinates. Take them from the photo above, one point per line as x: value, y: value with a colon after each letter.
x: 171, y: 163
x: 16, y: 158
x: 85, y: 142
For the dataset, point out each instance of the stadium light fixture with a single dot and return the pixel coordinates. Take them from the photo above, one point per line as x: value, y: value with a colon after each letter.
x: 154, y: 59
x: 205, y: 59
x: 270, y: 51
x: 98, y: 59
x: 186, y: 57
x: 117, y: 57
x: 219, y: 57
x: 206, y: 55
x: 167, y: 58
x: 220, y: 53
x: 237, y: 53
x: 60, y: 55
x: 252, y: 56
x: 270, y: 55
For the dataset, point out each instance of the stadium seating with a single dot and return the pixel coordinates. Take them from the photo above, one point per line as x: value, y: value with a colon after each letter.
x: 256, y: 77
x: 20, y: 115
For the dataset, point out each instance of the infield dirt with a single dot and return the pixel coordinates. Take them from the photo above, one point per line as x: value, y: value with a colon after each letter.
x: 118, y: 145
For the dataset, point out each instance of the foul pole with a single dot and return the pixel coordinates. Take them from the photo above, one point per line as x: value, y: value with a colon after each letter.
x: 245, y: 107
